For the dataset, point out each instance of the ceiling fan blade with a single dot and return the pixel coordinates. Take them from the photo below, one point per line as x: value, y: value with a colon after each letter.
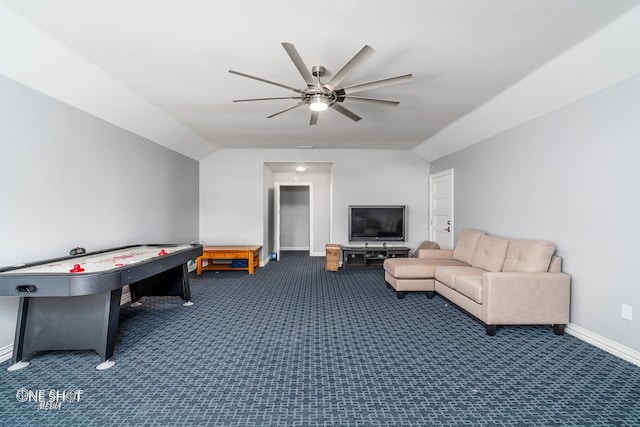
x: 265, y: 99
x: 374, y: 85
x: 358, y: 59
x: 299, y: 63
x: 369, y: 101
x: 264, y: 80
x: 340, y: 109
x: 314, y: 118
x: 288, y: 109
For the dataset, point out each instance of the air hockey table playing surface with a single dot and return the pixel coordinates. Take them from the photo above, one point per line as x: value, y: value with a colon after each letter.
x: 48, y: 319
x: 92, y: 272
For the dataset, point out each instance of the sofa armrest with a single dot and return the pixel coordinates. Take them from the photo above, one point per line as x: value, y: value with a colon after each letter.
x: 525, y: 298
x: 435, y: 253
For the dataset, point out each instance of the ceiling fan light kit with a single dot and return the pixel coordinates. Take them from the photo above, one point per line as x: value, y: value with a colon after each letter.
x: 318, y: 103
x: 322, y: 96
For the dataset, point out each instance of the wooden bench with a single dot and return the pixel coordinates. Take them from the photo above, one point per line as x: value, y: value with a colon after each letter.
x: 218, y: 255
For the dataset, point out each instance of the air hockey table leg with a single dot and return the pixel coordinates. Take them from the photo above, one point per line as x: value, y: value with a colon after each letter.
x: 186, y: 288
x: 172, y: 282
x: 18, y: 359
x: 87, y: 322
x: 111, y: 328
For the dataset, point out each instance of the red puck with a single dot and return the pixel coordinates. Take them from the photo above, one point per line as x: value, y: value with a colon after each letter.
x: 76, y: 269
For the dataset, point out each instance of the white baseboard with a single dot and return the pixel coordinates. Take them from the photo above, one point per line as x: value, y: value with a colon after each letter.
x: 300, y: 249
x: 623, y: 352
x: 294, y: 248
x: 6, y: 352
x: 266, y: 260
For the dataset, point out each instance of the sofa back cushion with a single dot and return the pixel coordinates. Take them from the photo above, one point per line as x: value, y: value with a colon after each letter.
x: 555, y: 266
x: 427, y: 244
x: 490, y: 253
x: 528, y: 256
x: 466, y: 245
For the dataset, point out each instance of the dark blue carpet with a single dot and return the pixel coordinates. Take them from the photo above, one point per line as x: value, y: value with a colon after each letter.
x: 295, y: 345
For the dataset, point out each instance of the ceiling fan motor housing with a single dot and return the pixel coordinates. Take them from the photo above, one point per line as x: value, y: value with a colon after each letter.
x: 318, y: 92
x: 318, y: 71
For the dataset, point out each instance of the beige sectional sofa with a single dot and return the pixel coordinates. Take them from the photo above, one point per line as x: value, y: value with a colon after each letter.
x: 498, y: 280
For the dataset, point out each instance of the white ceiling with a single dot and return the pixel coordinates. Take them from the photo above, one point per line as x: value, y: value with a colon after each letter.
x: 176, y: 54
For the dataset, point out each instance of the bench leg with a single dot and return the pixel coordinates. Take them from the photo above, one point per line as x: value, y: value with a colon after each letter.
x: 429, y: 294
x: 199, y: 265
x: 250, y: 261
x: 400, y: 295
x: 558, y: 329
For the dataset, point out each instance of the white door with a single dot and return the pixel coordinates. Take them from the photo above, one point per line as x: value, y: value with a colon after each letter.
x: 441, y: 208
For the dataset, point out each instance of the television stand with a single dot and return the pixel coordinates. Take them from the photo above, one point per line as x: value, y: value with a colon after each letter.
x: 370, y: 257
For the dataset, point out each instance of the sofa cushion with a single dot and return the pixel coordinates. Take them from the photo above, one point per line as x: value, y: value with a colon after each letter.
x: 528, y: 256
x: 490, y: 253
x: 466, y: 245
x: 447, y: 275
x: 415, y: 268
x: 470, y: 286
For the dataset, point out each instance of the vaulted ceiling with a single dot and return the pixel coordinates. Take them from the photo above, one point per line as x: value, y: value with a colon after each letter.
x: 175, y: 55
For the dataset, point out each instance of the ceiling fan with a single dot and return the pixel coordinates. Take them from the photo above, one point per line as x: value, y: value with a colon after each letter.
x: 321, y: 96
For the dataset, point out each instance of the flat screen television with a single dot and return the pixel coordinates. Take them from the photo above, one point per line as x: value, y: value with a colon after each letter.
x: 381, y: 223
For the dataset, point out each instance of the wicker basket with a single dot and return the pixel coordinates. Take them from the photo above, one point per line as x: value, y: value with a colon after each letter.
x: 333, y: 256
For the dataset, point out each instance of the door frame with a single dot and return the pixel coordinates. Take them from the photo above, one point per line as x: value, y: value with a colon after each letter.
x: 432, y: 178
x: 276, y: 217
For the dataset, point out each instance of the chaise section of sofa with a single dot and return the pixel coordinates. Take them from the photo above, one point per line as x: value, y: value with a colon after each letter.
x: 498, y: 280
x: 418, y: 274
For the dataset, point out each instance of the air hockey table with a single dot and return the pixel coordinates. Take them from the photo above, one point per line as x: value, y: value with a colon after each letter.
x: 73, y: 303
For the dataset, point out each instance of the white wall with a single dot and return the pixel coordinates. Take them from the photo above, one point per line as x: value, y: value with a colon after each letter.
x: 232, y: 190
x: 232, y: 198
x: 69, y: 179
x: 391, y: 177
x: 571, y: 177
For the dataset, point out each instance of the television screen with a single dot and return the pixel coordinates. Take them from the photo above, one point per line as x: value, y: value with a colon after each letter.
x: 377, y: 223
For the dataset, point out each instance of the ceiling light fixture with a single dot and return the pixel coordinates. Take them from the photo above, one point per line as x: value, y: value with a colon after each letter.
x: 300, y: 168
x: 318, y: 103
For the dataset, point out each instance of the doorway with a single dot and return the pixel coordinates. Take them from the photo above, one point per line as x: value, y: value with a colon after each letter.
x: 293, y: 217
